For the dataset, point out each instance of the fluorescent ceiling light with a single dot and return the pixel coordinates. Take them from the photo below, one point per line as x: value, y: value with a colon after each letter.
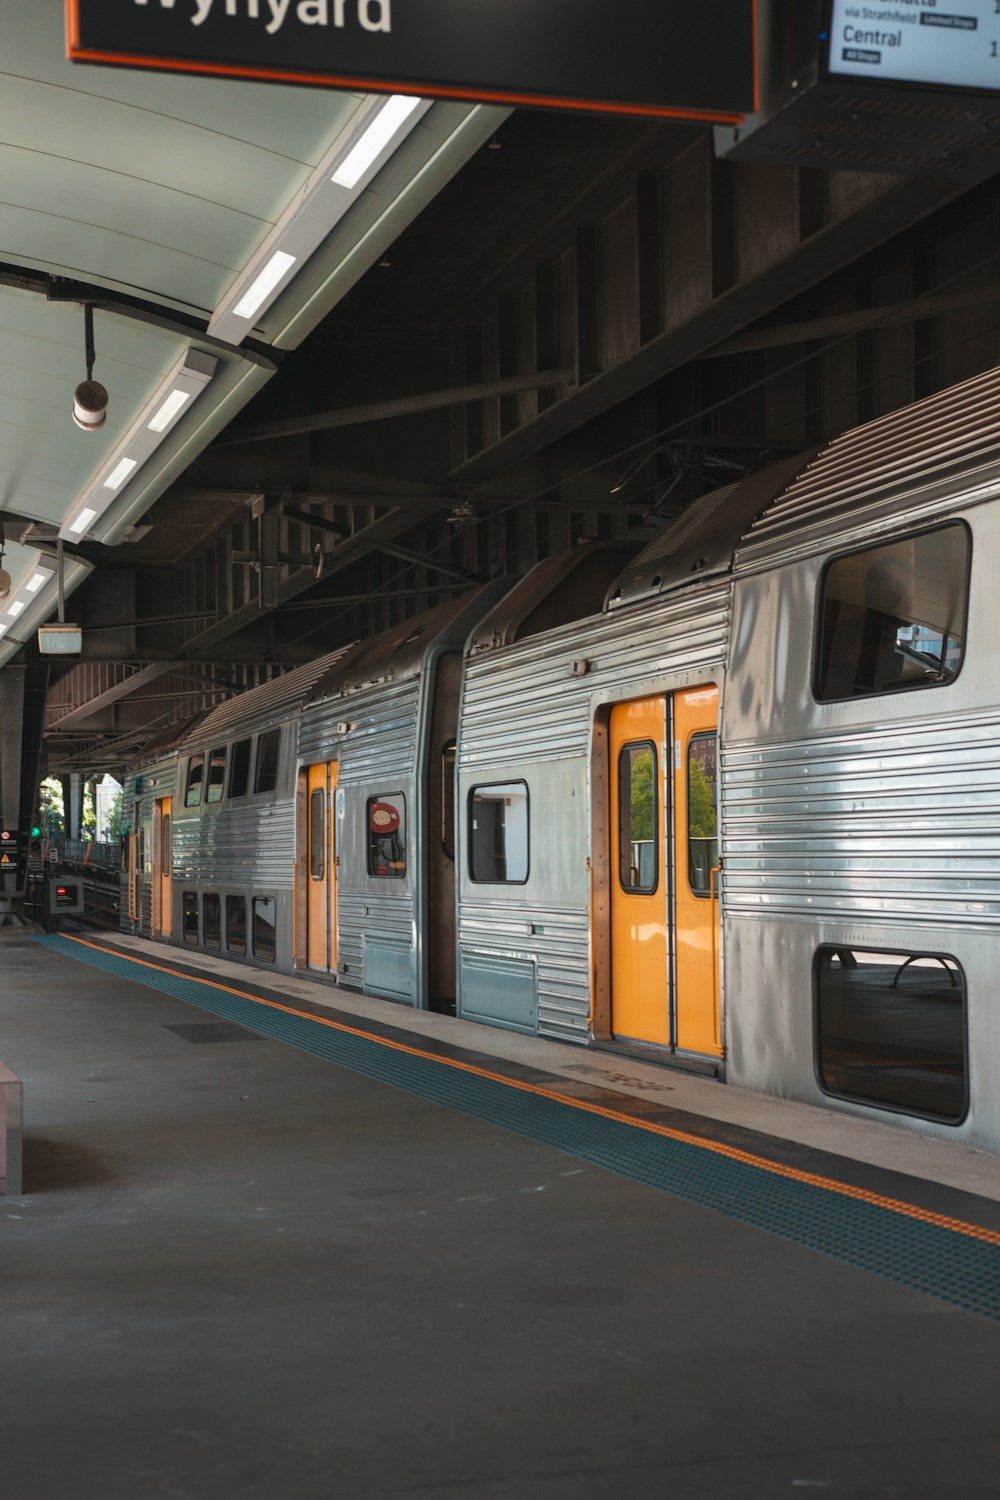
x: 264, y: 284
x: 188, y: 378
x: 4, y: 629
x: 120, y: 473
x: 377, y: 128
x: 171, y: 408
x: 81, y: 522
x: 389, y: 120
x: 36, y: 581
x: 17, y: 608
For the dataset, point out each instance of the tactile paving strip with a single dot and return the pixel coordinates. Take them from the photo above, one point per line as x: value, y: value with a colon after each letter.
x: 958, y: 1263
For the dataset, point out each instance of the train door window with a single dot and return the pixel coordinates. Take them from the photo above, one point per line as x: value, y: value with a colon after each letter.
x: 638, y: 818
x: 891, y: 1031
x: 498, y: 833
x: 211, y: 913
x: 195, y: 777
x: 703, y: 814
x: 264, y: 922
x: 239, y: 768
x: 165, y: 865
x: 266, y: 776
x: 448, y: 799
x: 317, y: 833
x: 236, y: 924
x: 191, y: 915
x: 893, y: 617
x: 216, y: 775
x: 387, y: 836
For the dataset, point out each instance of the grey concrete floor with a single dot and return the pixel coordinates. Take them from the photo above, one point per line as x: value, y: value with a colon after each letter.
x: 240, y: 1271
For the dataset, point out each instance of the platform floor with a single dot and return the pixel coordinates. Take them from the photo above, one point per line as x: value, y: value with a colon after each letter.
x: 433, y: 1264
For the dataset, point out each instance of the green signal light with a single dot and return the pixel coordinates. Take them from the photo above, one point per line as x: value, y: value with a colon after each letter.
x: 36, y: 832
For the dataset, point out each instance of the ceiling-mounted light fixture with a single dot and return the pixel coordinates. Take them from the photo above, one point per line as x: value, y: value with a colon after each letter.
x: 185, y: 382
x: 90, y: 399
x: 386, y: 125
x: 379, y: 127
x: 25, y: 593
x: 32, y: 598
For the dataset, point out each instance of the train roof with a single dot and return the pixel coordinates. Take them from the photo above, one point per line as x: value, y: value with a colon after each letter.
x: 402, y: 652
x: 563, y: 588
x: 905, y: 466
x: 267, y: 704
x: 702, y: 542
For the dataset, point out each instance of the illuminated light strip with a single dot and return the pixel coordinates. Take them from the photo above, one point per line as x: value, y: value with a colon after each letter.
x: 120, y: 473
x: 81, y: 521
x: 189, y: 377
x: 377, y: 129
x: 17, y: 608
x: 37, y: 580
x: 387, y: 123
x: 171, y: 408
x: 666, y: 1132
x: 264, y: 284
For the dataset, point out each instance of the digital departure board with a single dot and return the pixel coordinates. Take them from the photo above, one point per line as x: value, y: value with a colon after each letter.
x: 945, y: 43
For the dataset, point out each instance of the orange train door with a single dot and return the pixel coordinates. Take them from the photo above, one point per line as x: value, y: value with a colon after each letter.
x: 696, y: 870
x: 132, y: 874
x: 321, y: 871
x: 664, y: 872
x: 162, y: 867
x: 640, y: 898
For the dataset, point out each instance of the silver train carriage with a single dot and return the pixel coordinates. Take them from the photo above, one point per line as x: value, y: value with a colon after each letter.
x: 745, y: 818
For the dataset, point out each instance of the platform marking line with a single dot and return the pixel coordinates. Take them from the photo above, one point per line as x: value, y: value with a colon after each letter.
x: 650, y: 1127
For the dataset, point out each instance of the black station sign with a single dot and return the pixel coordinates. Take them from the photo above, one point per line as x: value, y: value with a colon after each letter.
x: 692, y: 59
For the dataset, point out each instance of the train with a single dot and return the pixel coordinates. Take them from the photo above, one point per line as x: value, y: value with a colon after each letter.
x: 730, y: 802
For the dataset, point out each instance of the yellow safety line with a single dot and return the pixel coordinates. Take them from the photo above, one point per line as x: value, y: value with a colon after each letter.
x: 651, y: 1127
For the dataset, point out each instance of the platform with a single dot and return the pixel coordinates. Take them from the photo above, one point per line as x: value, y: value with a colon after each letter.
x: 284, y: 1243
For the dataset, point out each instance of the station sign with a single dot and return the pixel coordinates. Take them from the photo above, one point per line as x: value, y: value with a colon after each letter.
x: 952, y: 44
x: 689, y: 60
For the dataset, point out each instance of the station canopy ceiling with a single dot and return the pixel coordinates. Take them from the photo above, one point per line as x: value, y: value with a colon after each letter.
x: 157, y: 199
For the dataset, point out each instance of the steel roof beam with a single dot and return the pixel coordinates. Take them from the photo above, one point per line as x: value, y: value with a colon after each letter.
x: 400, y: 406
x: 816, y: 257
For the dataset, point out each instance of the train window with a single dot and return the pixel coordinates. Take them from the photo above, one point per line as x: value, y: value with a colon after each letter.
x: 264, y: 922
x: 448, y: 799
x: 891, y: 1031
x: 236, y: 924
x: 317, y: 834
x: 638, y: 841
x: 191, y: 914
x: 239, y: 768
x: 195, y: 777
x: 165, y: 865
x: 211, y: 916
x: 703, y: 813
x: 498, y: 833
x: 266, y: 777
x: 216, y: 775
x: 893, y: 617
x: 387, y: 836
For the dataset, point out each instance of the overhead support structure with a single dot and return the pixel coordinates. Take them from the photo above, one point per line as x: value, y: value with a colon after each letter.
x: 401, y: 406
x: 888, y: 204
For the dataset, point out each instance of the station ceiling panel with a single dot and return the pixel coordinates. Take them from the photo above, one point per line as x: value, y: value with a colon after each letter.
x: 151, y: 197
